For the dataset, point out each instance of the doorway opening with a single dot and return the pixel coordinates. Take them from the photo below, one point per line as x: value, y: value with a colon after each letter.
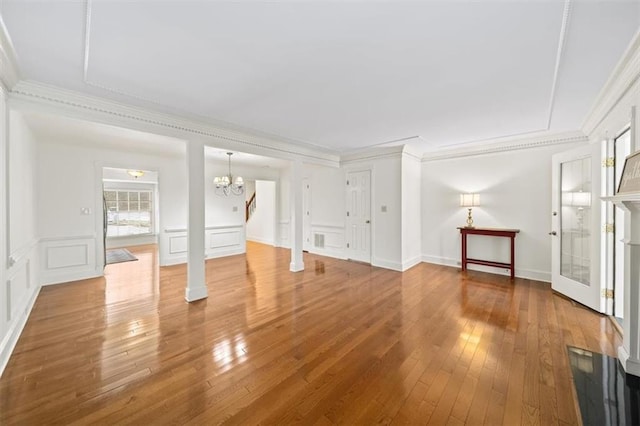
x: 130, y: 211
x: 261, y: 211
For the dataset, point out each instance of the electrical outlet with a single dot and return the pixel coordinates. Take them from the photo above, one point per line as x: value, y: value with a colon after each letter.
x: 85, y: 211
x: 235, y: 208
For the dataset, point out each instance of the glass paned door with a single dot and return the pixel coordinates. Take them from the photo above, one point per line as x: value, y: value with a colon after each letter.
x: 574, y: 221
x: 576, y: 218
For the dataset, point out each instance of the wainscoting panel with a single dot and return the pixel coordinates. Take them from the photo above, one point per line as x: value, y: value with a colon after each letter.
x: 68, y: 259
x: 333, y: 238
x: 67, y: 256
x: 178, y: 244
x: 220, y: 241
x: 18, y: 296
x: 225, y: 241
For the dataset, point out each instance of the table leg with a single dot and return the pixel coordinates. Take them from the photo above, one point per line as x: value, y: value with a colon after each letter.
x: 464, y: 251
x: 513, y: 258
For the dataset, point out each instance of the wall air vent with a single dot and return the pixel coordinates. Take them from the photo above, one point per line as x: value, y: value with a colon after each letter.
x: 318, y: 240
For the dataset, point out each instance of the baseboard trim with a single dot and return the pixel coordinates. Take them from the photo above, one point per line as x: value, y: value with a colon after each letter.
x: 530, y: 274
x: 387, y: 264
x: 328, y: 253
x: 69, y: 277
x: 408, y: 264
x: 261, y: 241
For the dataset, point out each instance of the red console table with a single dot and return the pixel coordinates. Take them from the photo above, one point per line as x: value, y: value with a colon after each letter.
x: 491, y: 232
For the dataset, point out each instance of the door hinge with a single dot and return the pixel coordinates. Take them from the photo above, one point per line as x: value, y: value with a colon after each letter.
x: 609, y: 162
x: 608, y: 293
x: 347, y: 182
x: 347, y: 245
x: 609, y: 228
x: 347, y: 214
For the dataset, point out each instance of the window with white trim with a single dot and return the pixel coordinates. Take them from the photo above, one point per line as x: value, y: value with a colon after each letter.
x: 129, y: 212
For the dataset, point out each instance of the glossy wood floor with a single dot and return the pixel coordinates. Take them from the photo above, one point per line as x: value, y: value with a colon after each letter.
x: 340, y: 342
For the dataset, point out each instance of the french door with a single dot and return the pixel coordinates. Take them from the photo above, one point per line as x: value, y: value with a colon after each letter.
x: 575, y: 223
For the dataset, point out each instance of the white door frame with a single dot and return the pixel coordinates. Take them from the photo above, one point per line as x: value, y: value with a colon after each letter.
x: 588, y: 295
x: 348, y: 251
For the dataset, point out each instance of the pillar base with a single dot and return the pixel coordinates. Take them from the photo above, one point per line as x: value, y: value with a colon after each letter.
x: 193, y: 294
x: 296, y: 267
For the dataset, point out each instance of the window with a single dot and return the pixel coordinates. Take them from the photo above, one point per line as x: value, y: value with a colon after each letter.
x: 128, y: 212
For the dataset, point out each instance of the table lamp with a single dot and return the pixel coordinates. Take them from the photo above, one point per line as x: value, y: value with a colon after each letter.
x: 469, y: 200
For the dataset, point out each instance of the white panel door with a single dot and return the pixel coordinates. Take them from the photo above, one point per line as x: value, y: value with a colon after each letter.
x: 359, y: 216
x: 306, y: 214
x: 575, y: 225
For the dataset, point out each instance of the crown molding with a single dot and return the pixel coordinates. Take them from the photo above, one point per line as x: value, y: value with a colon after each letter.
x: 9, y: 71
x: 566, y: 14
x: 372, y: 154
x: 624, y: 76
x: 81, y: 106
x: 507, y: 144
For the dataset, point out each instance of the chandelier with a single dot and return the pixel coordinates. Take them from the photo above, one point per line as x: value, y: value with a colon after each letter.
x: 226, y: 185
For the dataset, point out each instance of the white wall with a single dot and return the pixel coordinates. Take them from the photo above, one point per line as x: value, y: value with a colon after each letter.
x: 327, y: 187
x: 328, y: 207
x: 261, y: 227
x: 221, y: 210
x: 386, y: 193
x: 411, y: 210
x: 20, y: 283
x: 71, y: 179
x: 515, y: 192
x: 22, y: 154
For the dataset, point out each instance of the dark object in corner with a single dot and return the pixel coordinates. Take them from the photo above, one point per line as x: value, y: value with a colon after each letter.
x: 606, y: 394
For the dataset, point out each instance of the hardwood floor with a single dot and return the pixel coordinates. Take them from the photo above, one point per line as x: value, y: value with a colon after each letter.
x: 340, y: 342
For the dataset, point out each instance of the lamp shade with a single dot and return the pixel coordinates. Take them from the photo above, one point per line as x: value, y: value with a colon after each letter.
x: 469, y: 200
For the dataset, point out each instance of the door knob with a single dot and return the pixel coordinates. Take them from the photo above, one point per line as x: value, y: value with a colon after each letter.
x: 553, y: 233
x: 367, y: 221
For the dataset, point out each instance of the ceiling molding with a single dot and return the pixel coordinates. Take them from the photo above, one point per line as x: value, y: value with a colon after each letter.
x: 373, y: 154
x: 510, y: 144
x: 566, y: 13
x: 9, y: 70
x: 89, y: 107
x: 624, y: 76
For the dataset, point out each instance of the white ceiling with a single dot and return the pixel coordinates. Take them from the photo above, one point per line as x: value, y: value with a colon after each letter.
x: 342, y: 75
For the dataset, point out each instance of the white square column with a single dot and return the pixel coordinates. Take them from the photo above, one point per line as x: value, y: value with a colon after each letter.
x: 295, y: 197
x: 196, y: 281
